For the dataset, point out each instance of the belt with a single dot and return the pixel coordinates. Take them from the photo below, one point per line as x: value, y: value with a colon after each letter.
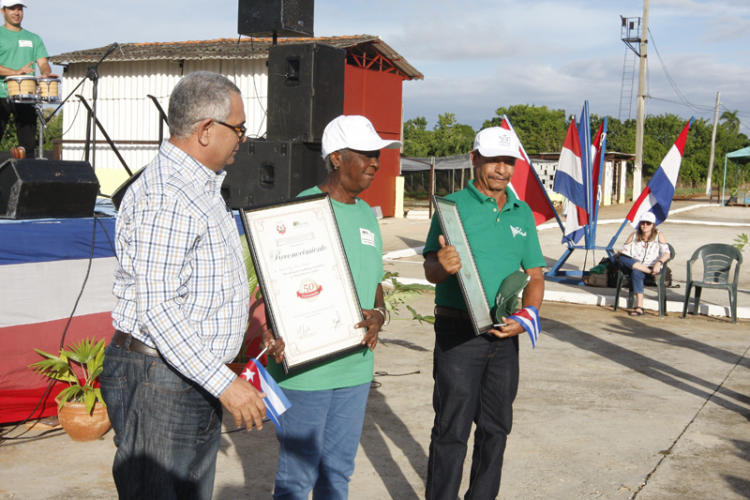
x: 131, y: 343
x: 449, y: 312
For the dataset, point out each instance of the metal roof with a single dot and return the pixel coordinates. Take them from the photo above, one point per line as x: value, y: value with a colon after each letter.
x: 234, y: 48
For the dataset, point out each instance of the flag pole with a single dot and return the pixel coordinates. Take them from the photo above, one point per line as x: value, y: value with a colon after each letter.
x: 611, y: 244
x: 602, y: 153
x: 585, y: 131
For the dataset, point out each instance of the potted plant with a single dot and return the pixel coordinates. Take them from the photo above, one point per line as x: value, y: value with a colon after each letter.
x: 81, y: 409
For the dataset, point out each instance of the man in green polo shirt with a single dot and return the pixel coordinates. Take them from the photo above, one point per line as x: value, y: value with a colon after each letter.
x: 19, y: 51
x: 476, y: 377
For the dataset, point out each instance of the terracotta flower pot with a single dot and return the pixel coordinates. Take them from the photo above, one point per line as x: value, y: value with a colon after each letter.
x: 81, y: 426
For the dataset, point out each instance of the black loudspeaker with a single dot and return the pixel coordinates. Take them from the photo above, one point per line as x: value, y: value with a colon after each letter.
x: 34, y: 189
x: 273, y: 171
x: 284, y: 17
x: 305, y: 90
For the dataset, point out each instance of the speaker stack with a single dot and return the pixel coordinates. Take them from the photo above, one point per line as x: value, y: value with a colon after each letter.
x: 34, y: 189
x: 275, y: 17
x: 305, y: 92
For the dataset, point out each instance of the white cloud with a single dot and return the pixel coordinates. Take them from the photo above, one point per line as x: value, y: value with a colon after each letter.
x: 476, y: 55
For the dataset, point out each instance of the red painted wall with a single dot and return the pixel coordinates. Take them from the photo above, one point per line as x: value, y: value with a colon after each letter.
x: 377, y: 96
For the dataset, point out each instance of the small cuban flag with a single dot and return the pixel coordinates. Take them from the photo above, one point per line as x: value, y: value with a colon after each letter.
x: 528, y: 318
x: 275, y: 400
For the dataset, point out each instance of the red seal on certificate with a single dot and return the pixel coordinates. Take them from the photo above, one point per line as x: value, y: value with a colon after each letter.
x: 309, y: 289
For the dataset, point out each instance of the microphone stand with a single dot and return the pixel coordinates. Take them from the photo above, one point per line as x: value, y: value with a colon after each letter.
x: 42, y: 128
x: 92, y: 73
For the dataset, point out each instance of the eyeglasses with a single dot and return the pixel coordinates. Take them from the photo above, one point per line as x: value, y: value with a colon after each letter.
x: 240, y: 130
x: 646, y: 222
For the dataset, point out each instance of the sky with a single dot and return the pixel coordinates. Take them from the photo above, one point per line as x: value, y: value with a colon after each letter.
x: 478, y: 55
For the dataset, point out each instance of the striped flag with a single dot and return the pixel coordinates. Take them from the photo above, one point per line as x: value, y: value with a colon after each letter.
x: 527, y: 186
x: 569, y: 183
x: 528, y: 318
x: 275, y: 400
x: 657, y: 197
x: 596, y: 154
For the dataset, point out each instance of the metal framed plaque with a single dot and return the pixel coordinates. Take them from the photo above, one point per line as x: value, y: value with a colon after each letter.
x: 468, y: 276
x: 305, y: 278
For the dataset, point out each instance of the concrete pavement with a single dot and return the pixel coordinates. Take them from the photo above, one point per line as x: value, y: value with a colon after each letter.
x: 608, y: 407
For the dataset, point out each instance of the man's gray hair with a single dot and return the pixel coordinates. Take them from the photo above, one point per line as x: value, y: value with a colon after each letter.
x: 198, y: 96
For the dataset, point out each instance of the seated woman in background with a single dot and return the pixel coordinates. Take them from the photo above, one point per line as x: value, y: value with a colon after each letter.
x: 645, y: 252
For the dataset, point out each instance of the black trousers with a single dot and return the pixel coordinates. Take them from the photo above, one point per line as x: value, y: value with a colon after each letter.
x: 476, y: 380
x: 25, y: 115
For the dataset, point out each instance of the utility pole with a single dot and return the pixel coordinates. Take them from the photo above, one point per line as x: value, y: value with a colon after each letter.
x: 638, y: 169
x: 713, y: 148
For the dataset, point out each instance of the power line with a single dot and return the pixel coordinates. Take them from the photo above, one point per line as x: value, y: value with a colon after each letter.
x: 680, y: 95
x: 694, y: 107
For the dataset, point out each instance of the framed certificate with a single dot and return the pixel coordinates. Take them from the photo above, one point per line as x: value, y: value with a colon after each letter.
x: 468, y: 276
x: 305, y: 278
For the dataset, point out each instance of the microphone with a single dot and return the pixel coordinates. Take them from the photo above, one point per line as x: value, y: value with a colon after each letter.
x: 111, y: 49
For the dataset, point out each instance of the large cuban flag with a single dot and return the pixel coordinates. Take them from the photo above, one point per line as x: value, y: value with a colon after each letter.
x: 276, y: 401
x: 526, y: 184
x: 569, y: 182
x: 657, y: 197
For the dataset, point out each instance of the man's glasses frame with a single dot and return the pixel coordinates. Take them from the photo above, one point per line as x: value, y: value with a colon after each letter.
x: 240, y: 130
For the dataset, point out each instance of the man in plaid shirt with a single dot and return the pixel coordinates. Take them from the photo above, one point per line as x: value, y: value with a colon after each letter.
x: 182, y: 304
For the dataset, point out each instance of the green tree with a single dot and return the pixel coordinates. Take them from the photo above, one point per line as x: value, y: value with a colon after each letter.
x: 450, y: 137
x: 447, y: 137
x: 731, y: 120
x: 54, y: 131
x: 416, y: 137
x: 541, y: 130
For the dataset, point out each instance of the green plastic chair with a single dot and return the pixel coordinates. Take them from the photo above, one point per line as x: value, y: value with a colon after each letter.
x: 624, y: 278
x: 718, y: 261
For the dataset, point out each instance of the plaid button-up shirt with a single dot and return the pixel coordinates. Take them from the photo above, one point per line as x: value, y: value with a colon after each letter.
x: 181, y: 284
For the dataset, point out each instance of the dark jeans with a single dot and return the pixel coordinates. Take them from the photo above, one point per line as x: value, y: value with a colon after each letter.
x: 476, y: 380
x: 25, y: 123
x: 636, y: 277
x: 166, y: 428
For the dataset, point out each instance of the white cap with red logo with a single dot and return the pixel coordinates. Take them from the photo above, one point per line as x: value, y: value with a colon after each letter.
x: 497, y: 141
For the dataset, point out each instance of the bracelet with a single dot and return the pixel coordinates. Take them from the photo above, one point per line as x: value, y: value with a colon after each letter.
x: 386, y: 315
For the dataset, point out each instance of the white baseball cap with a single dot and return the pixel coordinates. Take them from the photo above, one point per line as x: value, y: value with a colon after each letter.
x: 497, y: 141
x: 353, y: 132
x: 647, y: 217
x: 11, y: 3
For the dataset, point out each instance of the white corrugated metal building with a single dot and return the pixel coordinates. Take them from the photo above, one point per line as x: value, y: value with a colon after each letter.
x: 136, y: 70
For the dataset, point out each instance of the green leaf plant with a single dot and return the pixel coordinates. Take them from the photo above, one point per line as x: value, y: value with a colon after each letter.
x: 79, y: 366
x: 399, y: 293
x: 740, y: 242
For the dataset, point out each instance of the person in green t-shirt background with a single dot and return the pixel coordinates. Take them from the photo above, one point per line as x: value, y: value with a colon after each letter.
x: 319, y: 433
x: 20, y: 50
